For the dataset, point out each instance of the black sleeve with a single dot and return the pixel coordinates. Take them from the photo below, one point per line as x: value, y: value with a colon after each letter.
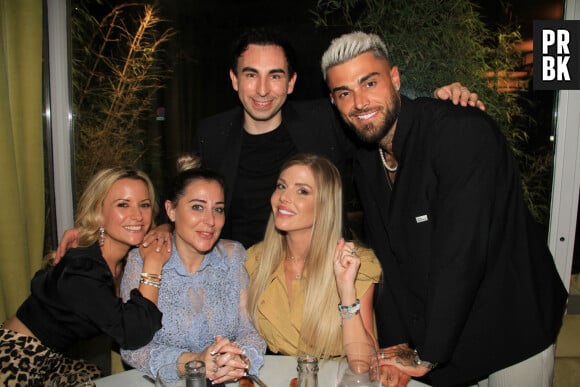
x: 88, y: 289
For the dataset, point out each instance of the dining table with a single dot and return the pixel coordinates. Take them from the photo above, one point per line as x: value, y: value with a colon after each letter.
x: 277, y: 371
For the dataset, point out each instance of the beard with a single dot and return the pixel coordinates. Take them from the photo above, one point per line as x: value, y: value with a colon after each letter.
x: 373, y: 133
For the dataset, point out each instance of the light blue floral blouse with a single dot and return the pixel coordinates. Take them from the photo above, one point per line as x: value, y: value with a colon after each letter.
x: 197, y: 307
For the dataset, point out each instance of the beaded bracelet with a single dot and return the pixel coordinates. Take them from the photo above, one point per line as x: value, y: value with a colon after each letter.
x: 347, y: 312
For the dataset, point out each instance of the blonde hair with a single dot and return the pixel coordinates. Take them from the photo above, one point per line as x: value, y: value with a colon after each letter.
x: 349, y: 46
x: 320, y: 334
x: 90, y: 207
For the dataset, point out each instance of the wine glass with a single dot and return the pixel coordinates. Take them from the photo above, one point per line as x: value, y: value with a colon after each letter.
x: 359, y: 366
x: 72, y: 379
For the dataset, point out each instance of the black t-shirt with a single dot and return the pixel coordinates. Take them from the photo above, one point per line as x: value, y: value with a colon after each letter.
x: 261, y: 158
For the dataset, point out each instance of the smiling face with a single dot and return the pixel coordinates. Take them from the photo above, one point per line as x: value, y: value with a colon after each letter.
x: 263, y: 84
x: 198, y: 216
x: 364, y: 89
x: 126, y: 214
x: 294, y: 200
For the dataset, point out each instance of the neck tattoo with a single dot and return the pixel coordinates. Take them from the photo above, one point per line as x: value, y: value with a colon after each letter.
x: 390, y: 169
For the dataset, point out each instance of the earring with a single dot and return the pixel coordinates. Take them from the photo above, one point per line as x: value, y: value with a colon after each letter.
x: 101, y: 236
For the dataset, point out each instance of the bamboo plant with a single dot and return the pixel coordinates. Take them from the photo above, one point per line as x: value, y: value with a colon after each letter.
x: 436, y: 42
x: 117, y: 70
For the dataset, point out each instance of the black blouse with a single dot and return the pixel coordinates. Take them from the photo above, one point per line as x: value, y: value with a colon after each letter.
x: 76, y: 300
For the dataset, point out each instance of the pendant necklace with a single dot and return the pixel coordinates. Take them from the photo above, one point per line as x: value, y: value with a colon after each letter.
x: 292, y: 260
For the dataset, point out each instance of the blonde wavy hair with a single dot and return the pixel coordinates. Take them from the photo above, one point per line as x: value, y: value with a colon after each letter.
x: 320, y: 334
x: 90, y: 207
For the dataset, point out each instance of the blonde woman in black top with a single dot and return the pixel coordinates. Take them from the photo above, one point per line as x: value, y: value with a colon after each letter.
x: 78, y: 298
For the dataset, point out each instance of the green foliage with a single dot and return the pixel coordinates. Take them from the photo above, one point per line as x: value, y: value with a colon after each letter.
x: 116, y: 73
x: 437, y: 42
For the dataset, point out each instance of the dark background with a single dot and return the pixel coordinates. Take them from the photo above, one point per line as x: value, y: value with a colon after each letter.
x: 199, y: 55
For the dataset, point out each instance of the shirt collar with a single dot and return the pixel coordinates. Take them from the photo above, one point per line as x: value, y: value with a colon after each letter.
x: 214, y: 258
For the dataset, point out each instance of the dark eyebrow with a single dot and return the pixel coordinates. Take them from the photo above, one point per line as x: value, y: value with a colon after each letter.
x: 203, y: 201
x: 338, y: 88
x: 366, y: 77
x: 253, y: 70
x: 360, y: 81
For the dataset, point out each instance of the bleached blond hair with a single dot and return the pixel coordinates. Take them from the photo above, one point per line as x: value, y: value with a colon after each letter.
x: 351, y: 45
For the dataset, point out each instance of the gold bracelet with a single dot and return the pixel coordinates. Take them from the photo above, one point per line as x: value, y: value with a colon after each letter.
x: 156, y: 284
x: 151, y: 276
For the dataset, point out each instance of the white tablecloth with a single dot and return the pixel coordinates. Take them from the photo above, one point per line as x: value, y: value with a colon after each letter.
x: 276, y: 372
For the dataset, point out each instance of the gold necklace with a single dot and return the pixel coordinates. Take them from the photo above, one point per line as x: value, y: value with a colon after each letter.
x: 292, y: 260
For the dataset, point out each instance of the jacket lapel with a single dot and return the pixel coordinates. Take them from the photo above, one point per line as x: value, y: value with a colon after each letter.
x: 231, y: 153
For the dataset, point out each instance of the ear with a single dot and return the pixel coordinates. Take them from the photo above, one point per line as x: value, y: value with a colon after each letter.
x: 331, y: 98
x: 291, y: 82
x: 395, y: 78
x: 170, y: 210
x: 234, y: 79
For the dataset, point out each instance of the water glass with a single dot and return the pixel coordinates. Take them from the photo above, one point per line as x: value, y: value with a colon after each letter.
x: 359, y: 367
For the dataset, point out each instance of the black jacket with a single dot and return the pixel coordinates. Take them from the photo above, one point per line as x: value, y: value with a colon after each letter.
x: 468, y: 278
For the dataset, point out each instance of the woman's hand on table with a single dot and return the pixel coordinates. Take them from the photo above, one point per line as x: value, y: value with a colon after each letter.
x: 228, y: 363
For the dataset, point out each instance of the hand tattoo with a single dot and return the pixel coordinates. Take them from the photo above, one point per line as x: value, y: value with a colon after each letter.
x: 406, y: 357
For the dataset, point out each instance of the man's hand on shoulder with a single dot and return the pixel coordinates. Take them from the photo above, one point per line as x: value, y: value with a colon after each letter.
x: 459, y: 94
x: 69, y: 240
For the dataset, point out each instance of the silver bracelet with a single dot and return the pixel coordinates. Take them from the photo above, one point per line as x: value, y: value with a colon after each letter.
x: 156, y: 284
x: 423, y: 363
x: 349, y: 311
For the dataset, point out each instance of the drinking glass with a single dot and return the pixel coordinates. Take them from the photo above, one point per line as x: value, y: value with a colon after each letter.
x: 72, y: 379
x: 191, y: 374
x: 359, y: 366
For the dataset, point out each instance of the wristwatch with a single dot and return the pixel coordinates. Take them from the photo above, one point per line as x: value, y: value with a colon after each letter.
x: 424, y: 363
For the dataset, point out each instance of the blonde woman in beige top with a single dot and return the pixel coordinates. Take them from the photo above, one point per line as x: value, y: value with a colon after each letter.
x: 303, y: 269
